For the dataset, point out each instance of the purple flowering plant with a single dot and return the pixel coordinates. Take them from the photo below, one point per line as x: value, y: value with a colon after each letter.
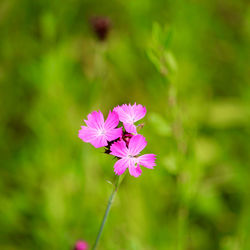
x: 123, y: 142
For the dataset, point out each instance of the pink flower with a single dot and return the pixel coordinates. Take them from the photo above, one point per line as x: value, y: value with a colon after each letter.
x: 97, y: 132
x: 129, y: 156
x: 129, y: 115
x: 81, y: 245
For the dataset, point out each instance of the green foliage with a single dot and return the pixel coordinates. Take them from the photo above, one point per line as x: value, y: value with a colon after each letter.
x: 187, y: 62
x: 158, y: 51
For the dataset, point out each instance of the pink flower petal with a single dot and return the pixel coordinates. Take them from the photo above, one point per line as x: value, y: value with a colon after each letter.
x: 130, y: 128
x: 119, y: 149
x: 130, y: 114
x: 99, y: 141
x: 124, y: 113
x: 139, y: 111
x: 134, y: 171
x: 95, y: 120
x: 120, y: 166
x: 147, y: 160
x: 91, y: 135
x: 136, y: 145
x: 87, y: 134
x: 112, y: 120
x: 113, y: 134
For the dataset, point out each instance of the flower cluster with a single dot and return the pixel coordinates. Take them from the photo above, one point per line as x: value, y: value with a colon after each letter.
x: 123, y: 142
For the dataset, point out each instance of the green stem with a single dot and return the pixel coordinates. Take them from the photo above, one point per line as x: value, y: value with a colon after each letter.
x: 111, y: 198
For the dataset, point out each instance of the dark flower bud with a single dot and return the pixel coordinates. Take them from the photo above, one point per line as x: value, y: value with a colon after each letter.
x: 101, y: 27
x: 126, y: 137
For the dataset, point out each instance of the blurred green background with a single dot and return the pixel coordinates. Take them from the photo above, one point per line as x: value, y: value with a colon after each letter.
x: 187, y: 62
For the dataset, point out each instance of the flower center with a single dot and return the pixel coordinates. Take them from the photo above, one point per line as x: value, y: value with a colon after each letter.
x: 133, y: 159
x: 101, y: 131
x: 132, y: 119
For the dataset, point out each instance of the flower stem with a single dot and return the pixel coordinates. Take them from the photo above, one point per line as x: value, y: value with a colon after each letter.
x: 111, y: 198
